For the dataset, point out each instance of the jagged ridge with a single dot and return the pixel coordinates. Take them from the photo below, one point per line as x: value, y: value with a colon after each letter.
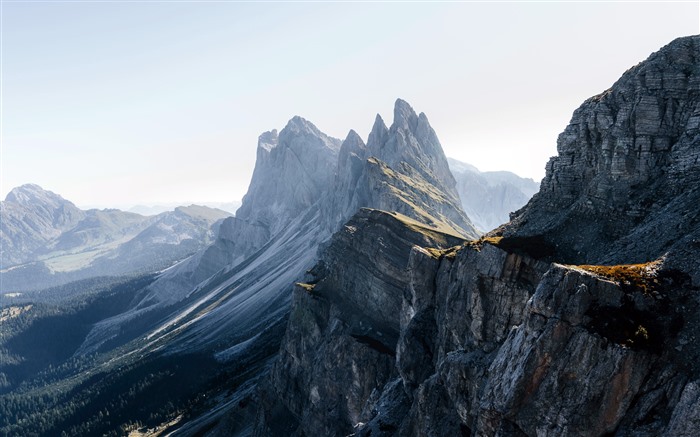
x: 493, y: 339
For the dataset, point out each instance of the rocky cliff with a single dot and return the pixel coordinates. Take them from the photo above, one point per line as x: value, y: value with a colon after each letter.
x: 230, y: 293
x: 522, y: 332
x: 627, y: 167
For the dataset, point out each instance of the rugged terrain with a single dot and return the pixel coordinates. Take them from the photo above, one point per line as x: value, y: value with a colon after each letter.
x: 48, y: 241
x: 351, y: 294
x: 226, y: 306
x: 578, y: 317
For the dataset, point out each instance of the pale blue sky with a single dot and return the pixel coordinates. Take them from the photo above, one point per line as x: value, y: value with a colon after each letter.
x: 115, y: 104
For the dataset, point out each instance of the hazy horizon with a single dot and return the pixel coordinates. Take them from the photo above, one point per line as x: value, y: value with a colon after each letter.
x: 115, y: 104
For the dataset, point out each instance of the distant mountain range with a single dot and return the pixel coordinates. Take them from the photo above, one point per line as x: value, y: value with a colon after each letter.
x: 48, y: 241
x: 232, y: 296
x: 489, y: 197
x: 227, y: 305
x: 159, y: 208
x: 352, y: 295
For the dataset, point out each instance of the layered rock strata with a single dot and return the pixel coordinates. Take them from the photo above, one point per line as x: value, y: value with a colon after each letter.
x: 491, y: 337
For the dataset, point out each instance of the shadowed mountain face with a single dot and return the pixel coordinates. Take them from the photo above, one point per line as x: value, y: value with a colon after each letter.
x: 399, y: 322
x: 626, y: 177
x: 228, y: 304
x: 493, y: 338
x: 48, y: 241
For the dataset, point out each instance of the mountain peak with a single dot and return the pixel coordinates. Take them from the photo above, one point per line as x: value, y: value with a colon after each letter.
x: 32, y: 193
x: 379, y: 132
x: 404, y: 115
x: 352, y: 144
x: 300, y: 131
x: 412, y: 141
x: 298, y: 124
x: 290, y: 173
x: 353, y: 139
x: 268, y: 140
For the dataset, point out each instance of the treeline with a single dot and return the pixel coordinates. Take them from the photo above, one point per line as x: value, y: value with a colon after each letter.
x: 46, y: 390
x: 46, y: 335
x: 77, y: 412
x: 72, y: 293
x: 144, y: 393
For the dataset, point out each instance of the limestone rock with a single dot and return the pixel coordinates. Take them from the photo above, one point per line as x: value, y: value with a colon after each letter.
x: 491, y: 338
x: 628, y: 164
x: 344, y: 326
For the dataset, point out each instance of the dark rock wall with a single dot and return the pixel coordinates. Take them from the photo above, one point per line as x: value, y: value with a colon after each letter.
x: 625, y: 158
x: 491, y: 338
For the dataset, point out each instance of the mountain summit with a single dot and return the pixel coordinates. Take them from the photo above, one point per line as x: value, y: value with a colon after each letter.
x: 578, y: 317
x: 402, y: 169
x: 412, y: 140
x: 292, y: 171
x: 31, y: 217
x: 628, y: 164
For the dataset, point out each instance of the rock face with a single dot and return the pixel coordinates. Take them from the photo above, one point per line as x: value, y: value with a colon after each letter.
x: 48, y: 241
x: 627, y: 166
x: 292, y: 170
x: 361, y: 341
x: 343, y: 331
x: 489, y: 197
x: 493, y: 338
x: 305, y: 186
x: 401, y: 169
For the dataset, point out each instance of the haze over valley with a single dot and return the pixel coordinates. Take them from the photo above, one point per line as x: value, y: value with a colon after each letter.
x: 366, y: 284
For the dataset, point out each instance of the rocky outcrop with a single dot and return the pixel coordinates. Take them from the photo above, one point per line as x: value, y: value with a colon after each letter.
x: 345, y: 323
x: 489, y: 197
x: 628, y: 165
x: 492, y: 338
x: 292, y: 171
x: 402, y: 169
x: 580, y: 360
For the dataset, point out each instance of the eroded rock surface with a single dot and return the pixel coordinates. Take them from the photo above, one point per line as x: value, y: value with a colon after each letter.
x: 491, y: 338
x: 628, y: 166
x: 341, y: 340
